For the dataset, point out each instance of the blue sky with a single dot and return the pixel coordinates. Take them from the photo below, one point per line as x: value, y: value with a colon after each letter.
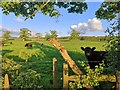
x: 62, y: 24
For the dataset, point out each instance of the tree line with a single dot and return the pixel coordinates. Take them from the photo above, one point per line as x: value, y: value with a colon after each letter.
x: 26, y: 33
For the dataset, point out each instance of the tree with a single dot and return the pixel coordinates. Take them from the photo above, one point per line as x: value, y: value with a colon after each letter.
x: 108, y: 10
x: 29, y: 9
x: 6, y: 35
x: 74, y: 34
x: 25, y: 33
x: 47, y: 36
x: 39, y: 35
x: 53, y: 34
x: 113, y: 47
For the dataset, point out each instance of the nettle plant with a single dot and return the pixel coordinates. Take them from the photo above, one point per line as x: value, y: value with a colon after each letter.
x: 91, y: 77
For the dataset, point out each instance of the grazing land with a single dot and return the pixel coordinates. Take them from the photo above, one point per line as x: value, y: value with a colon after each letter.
x: 39, y: 58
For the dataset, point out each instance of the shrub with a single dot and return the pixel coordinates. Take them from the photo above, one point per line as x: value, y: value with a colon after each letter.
x: 9, y: 66
x: 28, y: 79
x: 90, y: 78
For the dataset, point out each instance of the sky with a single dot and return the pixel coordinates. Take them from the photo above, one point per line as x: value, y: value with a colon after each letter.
x: 87, y: 24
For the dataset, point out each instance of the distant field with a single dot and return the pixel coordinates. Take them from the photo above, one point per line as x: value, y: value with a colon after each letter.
x: 40, y: 57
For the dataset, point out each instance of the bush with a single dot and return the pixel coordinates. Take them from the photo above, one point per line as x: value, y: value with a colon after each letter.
x: 90, y: 78
x: 20, y: 77
x: 9, y: 66
x: 28, y: 79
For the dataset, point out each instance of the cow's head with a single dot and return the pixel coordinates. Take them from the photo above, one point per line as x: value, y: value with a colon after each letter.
x: 88, y: 51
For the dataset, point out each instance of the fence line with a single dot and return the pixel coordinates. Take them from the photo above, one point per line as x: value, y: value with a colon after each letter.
x: 67, y: 78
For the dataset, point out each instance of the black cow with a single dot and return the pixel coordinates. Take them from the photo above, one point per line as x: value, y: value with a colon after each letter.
x: 10, y: 42
x: 42, y: 44
x: 94, y: 57
x: 28, y: 45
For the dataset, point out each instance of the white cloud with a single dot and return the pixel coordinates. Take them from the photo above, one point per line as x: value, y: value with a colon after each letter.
x: 95, y: 24
x: 3, y: 29
x: 91, y: 25
x: 18, y: 19
x: 74, y: 27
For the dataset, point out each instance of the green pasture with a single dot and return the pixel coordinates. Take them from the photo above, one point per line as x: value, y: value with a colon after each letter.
x: 39, y: 58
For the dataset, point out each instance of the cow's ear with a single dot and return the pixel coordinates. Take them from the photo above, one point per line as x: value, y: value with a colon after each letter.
x: 93, y: 48
x: 83, y: 48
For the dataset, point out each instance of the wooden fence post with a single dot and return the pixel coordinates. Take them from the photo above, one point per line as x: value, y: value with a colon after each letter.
x: 118, y: 80
x: 55, y: 85
x: 6, y: 82
x: 66, y: 56
x: 65, y: 76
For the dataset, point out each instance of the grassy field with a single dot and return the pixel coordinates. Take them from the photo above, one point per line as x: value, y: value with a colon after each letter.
x: 39, y: 58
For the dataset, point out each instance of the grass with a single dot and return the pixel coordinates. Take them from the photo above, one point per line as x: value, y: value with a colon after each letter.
x: 40, y: 57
